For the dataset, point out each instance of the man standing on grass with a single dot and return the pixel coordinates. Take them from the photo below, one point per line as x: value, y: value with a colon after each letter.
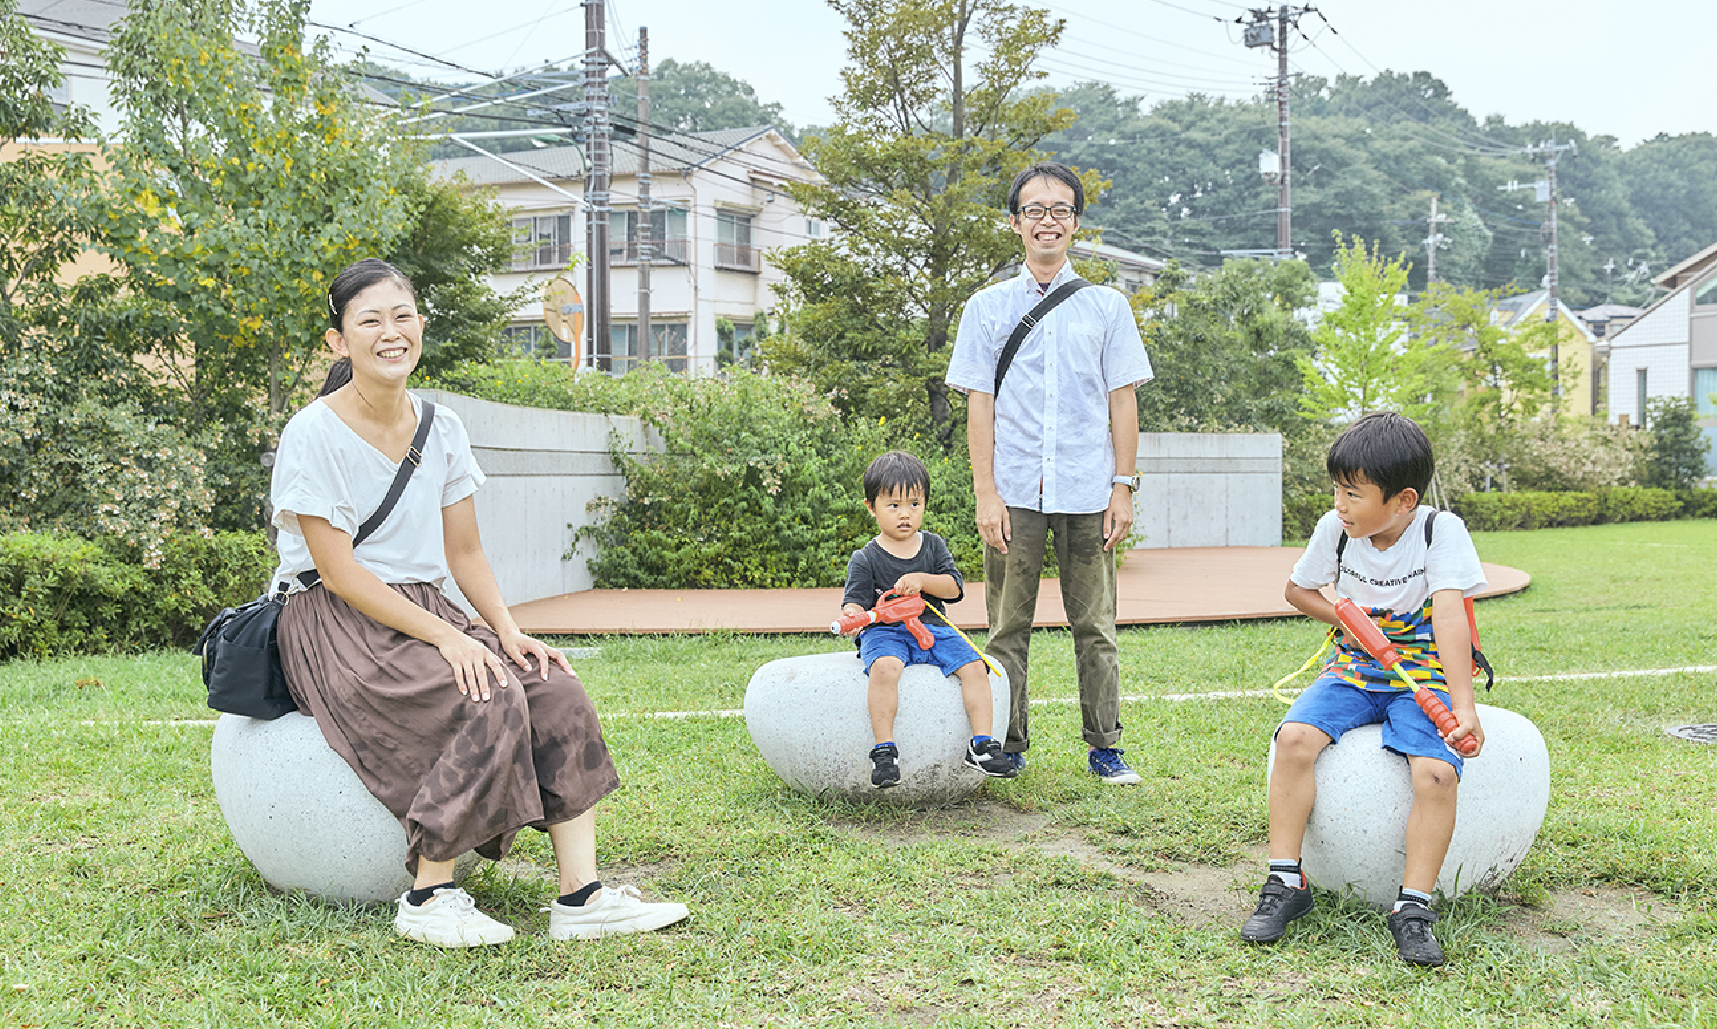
x: 1053, y: 452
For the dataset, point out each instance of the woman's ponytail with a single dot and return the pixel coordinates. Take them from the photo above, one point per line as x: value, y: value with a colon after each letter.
x: 339, y: 373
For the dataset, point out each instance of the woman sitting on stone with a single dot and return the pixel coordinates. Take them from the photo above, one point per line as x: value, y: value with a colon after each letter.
x: 466, y: 732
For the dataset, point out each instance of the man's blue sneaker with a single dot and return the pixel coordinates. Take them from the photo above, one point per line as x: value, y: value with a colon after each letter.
x: 1106, y: 764
x: 1017, y: 760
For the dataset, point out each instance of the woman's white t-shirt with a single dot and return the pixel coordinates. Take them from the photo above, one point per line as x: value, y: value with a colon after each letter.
x: 1401, y: 578
x: 325, y: 469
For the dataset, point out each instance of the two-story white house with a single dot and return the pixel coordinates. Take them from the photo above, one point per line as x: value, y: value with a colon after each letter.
x: 1671, y: 349
x: 81, y: 28
x: 718, y: 206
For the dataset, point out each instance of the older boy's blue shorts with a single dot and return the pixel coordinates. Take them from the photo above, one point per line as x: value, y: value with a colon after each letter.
x: 950, y: 652
x: 1333, y: 707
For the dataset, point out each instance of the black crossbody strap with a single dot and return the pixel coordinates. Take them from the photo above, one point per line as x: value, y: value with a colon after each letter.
x: 1029, y: 322
x: 413, y: 458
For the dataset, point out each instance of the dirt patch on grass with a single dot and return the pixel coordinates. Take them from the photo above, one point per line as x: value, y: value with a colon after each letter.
x: 1572, y: 918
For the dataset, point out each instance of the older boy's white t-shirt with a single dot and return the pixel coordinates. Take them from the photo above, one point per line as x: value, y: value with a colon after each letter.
x: 325, y: 469
x: 1401, y: 578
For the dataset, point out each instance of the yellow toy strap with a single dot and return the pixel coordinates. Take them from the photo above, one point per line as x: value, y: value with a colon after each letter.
x: 1276, y: 690
x: 931, y: 608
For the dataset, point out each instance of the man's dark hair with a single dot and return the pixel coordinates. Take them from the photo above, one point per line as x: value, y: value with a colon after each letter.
x: 896, y: 472
x: 1383, y: 448
x: 1048, y: 170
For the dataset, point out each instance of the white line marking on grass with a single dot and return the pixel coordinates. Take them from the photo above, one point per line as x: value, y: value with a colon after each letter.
x: 1131, y: 698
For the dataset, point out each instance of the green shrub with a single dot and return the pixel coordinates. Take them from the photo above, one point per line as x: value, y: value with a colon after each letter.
x: 1679, y: 448
x: 1541, y: 510
x: 1698, y: 503
x: 1300, y: 514
x: 60, y: 594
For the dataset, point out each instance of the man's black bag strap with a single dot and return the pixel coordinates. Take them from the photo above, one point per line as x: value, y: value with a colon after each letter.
x: 1478, y: 655
x: 1029, y: 322
x: 413, y: 458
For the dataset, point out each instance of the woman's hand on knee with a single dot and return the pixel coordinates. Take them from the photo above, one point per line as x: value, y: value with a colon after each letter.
x: 472, y: 664
x: 530, y: 653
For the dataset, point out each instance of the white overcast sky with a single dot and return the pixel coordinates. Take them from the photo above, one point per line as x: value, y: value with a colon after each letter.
x: 1630, y: 70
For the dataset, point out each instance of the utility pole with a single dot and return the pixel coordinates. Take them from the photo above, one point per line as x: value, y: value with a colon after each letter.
x: 1259, y: 32
x: 596, y: 182
x: 1546, y: 193
x: 1435, y: 241
x: 646, y: 252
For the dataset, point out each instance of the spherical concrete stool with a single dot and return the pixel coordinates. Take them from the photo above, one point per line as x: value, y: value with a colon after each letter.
x: 1358, y: 826
x: 303, y: 817
x: 809, y: 718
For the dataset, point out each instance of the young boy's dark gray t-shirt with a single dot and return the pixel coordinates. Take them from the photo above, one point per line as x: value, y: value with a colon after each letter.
x: 873, y: 571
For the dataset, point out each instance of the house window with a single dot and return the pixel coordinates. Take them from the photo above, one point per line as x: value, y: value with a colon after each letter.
x: 813, y: 228
x: 625, y: 355
x: 733, y: 249
x: 1707, y: 294
x: 544, y: 241
x: 667, y: 236
x: 1639, y: 397
x: 1704, y: 388
x: 531, y: 340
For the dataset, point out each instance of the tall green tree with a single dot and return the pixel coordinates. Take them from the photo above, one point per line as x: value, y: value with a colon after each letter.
x: 243, y: 181
x: 1224, y: 347
x: 694, y: 96
x: 932, y: 125
x: 1366, y: 360
x: 46, y: 198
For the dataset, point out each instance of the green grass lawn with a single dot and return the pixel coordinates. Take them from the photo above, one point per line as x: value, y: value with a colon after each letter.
x: 124, y: 901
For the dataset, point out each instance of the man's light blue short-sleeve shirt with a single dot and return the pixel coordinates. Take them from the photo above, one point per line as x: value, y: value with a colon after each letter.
x: 1052, y: 419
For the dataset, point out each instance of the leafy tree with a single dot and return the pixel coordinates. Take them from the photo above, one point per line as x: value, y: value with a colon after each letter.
x: 1499, y: 382
x: 932, y: 126
x: 1672, y: 183
x: 45, y: 198
x: 1365, y: 360
x: 1679, y: 449
x: 1224, y: 347
x: 456, y: 236
x: 242, y: 183
x: 695, y: 97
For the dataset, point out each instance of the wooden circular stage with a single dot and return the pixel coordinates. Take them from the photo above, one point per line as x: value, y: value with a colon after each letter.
x: 1156, y: 587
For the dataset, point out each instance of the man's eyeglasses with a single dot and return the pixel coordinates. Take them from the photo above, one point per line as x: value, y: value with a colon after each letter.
x: 1035, y: 212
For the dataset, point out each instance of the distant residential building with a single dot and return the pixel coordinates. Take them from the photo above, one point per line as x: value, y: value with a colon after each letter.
x: 1133, y: 272
x: 718, y: 207
x: 82, y: 28
x: 1577, y: 356
x: 1606, y: 320
x: 1670, y: 350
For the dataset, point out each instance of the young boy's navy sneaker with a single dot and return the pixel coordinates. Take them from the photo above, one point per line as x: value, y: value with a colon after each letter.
x: 884, y: 766
x: 1106, y: 764
x: 1411, y: 927
x: 987, y: 757
x: 1278, y: 904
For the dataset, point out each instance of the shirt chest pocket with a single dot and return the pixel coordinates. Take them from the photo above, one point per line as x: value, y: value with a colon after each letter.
x: 1082, y: 341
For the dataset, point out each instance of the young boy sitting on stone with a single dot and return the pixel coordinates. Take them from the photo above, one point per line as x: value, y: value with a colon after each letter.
x: 904, y: 559
x: 1413, y: 582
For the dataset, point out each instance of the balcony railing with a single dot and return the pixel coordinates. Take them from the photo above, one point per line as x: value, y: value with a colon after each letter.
x: 736, y: 258
x: 667, y: 251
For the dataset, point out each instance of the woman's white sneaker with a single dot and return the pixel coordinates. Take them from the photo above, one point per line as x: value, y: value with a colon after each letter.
x: 449, y: 919
x: 613, y: 911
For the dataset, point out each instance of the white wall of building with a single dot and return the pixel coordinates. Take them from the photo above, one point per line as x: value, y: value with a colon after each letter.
x: 1657, y: 343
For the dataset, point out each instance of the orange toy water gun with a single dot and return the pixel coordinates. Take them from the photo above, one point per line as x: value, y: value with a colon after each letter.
x: 1365, y: 631
x: 893, y: 607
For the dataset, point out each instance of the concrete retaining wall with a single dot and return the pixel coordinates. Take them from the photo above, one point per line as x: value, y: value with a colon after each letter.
x: 1209, y: 489
x: 544, y: 469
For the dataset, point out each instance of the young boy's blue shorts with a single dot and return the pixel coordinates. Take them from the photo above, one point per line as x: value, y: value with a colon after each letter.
x: 1333, y: 706
x: 950, y: 652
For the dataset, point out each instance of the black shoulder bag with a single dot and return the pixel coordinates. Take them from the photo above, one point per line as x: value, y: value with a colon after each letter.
x: 1029, y: 322
x: 241, y: 661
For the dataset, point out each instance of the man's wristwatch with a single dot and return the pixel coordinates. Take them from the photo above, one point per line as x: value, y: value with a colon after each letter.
x: 1129, y: 481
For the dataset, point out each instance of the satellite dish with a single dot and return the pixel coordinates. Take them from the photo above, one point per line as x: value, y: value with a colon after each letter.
x: 563, y: 310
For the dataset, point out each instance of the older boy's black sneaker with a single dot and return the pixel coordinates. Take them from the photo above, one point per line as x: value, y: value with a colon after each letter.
x: 1411, y: 927
x: 884, y: 766
x: 1278, y: 904
x: 987, y: 757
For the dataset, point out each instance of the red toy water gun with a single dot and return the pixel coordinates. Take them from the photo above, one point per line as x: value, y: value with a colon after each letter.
x: 893, y: 607
x: 1360, y: 626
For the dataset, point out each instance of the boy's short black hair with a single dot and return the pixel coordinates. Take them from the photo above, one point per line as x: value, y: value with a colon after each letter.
x: 1383, y: 448
x: 1054, y: 172
x: 896, y: 471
